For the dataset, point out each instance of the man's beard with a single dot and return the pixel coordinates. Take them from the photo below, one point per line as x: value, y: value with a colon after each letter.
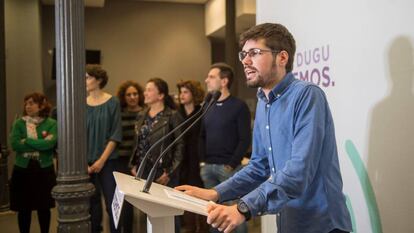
x: 255, y: 83
x: 259, y: 81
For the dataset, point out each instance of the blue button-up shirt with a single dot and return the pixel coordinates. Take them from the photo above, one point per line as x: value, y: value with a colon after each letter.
x: 294, y: 169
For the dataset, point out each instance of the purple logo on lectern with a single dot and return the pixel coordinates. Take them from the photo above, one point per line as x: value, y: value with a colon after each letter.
x: 312, y: 65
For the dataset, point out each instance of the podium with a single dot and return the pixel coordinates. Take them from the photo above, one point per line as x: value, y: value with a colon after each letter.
x: 161, y: 204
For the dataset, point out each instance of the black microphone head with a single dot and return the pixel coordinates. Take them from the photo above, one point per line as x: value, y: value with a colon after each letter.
x: 211, y: 98
x: 215, y: 95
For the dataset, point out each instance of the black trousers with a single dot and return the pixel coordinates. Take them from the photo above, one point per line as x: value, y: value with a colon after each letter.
x: 24, y: 218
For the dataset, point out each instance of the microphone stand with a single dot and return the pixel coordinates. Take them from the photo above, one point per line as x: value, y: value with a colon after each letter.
x: 151, y: 175
x: 141, y: 167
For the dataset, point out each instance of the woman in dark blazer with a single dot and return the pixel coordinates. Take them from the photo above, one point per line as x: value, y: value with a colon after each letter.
x: 153, y: 123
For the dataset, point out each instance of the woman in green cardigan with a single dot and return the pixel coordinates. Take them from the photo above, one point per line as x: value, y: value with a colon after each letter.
x: 33, y: 138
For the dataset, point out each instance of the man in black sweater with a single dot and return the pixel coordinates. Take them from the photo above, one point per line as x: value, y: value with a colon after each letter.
x: 225, y: 132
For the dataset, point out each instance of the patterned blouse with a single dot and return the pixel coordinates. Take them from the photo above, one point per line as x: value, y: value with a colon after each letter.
x: 143, y: 142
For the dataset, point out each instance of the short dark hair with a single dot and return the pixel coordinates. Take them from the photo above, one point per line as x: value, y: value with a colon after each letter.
x: 122, y: 89
x: 41, y: 100
x: 195, y: 88
x: 276, y: 36
x: 98, y: 73
x: 226, y: 71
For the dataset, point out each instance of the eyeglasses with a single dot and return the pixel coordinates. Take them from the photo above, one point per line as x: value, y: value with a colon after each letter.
x: 253, y: 52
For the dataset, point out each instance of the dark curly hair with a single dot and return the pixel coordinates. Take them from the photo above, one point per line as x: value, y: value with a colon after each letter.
x: 98, y: 73
x: 41, y: 100
x: 122, y: 89
x: 276, y: 36
x: 195, y: 89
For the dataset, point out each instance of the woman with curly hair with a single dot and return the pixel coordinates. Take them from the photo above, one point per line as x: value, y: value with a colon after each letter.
x: 191, y: 94
x: 131, y: 98
x: 33, y: 138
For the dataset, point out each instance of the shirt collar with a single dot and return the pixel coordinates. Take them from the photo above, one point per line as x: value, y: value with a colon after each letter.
x: 278, y: 90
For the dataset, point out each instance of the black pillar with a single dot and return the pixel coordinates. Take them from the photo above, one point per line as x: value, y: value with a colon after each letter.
x: 4, y: 189
x: 74, y: 189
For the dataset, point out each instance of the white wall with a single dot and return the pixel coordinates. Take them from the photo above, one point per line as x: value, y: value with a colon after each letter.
x: 245, y: 7
x: 369, y: 75
x: 215, y: 16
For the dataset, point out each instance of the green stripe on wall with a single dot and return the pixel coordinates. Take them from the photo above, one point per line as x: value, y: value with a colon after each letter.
x: 366, y: 186
x: 351, y: 212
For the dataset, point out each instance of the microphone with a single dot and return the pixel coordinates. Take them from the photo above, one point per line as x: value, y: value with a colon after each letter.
x: 215, y: 96
x: 207, y: 99
x: 141, y: 167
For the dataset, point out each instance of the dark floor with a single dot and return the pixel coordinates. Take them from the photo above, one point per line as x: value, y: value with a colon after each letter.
x: 8, y: 223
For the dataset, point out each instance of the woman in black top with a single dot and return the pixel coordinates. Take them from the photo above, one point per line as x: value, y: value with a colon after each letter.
x: 191, y: 94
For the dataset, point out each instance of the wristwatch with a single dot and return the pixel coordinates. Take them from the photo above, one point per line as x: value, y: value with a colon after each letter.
x: 244, y: 210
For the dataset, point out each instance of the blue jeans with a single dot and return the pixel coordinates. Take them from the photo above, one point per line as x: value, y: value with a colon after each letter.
x: 214, y: 174
x: 104, y: 182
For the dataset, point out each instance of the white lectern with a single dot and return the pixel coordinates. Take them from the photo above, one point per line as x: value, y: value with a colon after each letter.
x: 161, y: 204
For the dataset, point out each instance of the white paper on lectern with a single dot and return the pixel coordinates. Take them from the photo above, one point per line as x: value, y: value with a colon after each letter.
x: 177, y: 195
x: 117, y: 203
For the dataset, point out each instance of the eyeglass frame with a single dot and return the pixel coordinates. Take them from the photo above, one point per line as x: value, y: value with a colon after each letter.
x: 257, y: 51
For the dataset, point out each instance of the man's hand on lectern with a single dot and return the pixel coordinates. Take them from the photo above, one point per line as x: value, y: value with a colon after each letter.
x: 224, y: 218
x: 206, y: 194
